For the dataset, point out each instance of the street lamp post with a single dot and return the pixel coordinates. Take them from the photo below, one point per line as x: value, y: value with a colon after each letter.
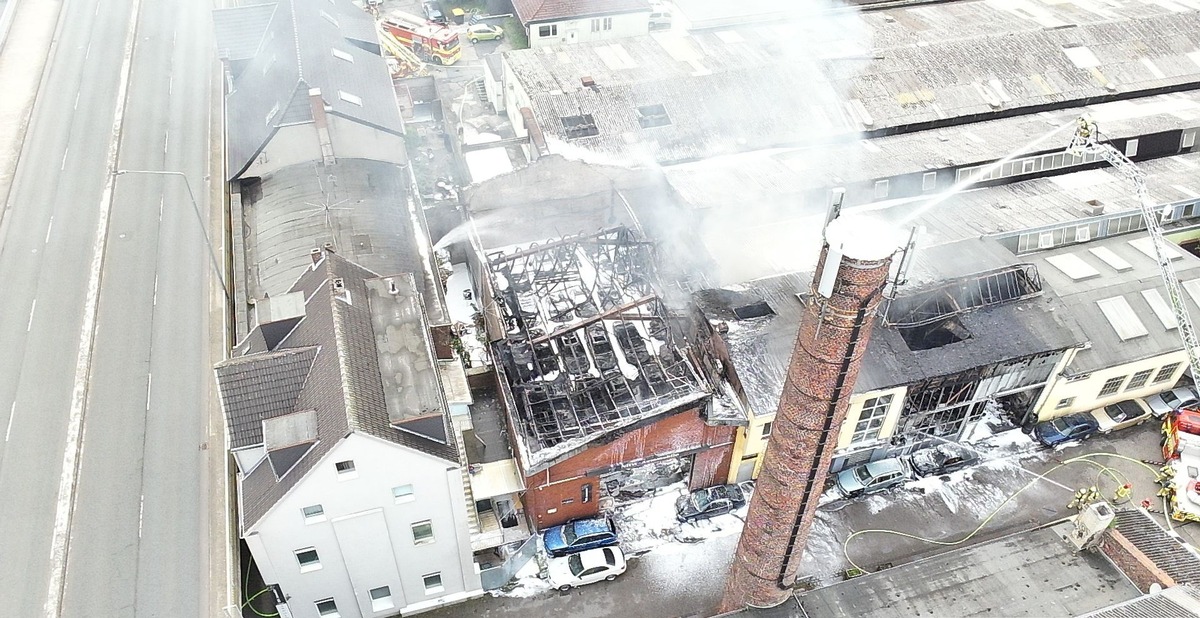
x: 212, y: 254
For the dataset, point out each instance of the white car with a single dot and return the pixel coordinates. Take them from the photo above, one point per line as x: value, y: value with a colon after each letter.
x: 586, y: 567
x: 1122, y: 414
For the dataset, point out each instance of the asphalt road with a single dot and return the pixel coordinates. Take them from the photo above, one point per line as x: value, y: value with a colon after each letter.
x: 106, y: 371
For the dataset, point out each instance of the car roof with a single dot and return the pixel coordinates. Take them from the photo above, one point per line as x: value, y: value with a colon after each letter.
x: 591, y: 526
x: 885, y: 465
x: 595, y: 557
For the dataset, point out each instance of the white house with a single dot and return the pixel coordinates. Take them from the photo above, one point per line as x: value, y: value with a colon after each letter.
x: 350, y: 489
x: 557, y: 22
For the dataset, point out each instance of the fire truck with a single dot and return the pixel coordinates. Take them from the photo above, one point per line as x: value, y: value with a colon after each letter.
x: 1180, y: 477
x: 429, y: 41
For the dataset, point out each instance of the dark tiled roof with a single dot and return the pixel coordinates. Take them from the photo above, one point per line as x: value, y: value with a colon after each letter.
x: 1166, y: 552
x: 296, y: 54
x: 259, y: 387
x: 343, y: 387
x: 553, y: 10
x: 240, y: 30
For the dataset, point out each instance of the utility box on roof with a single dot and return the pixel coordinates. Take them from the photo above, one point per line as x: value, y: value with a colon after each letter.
x: 1090, y: 525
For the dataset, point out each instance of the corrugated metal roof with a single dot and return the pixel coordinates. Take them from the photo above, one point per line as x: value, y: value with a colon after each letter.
x: 1174, y: 602
x: 554, y: 10
x: 797, y: 84
x: 1163, y: 549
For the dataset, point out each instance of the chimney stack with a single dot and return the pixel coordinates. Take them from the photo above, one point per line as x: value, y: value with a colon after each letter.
x: 321, y: 120
x: 316, y: 256
x: 834, y: 331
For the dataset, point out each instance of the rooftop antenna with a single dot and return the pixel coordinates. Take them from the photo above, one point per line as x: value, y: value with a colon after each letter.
x: 833, y: 258
x: 325, y: 206
x: 907, y: 256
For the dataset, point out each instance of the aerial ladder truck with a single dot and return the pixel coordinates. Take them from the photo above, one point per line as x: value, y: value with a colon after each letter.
x: 1180, y: 476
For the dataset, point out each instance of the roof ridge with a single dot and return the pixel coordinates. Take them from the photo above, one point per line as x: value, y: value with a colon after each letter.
x: 266, y: 355
x: 296, y: 41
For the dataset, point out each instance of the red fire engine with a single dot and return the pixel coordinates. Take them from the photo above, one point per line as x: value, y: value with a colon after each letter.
x: 429, y: 41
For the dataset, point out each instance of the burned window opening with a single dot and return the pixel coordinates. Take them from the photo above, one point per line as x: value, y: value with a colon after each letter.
x: 935, y: 335
x: 753, y: 310
x: 579, y: 126
x: 965, y: 294
x: 650, y: 116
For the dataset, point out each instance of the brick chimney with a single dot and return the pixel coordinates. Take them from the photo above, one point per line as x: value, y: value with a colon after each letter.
x: 834, y: 331
x: 321, y: 120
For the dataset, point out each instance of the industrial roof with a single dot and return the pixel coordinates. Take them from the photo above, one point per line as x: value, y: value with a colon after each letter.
x: 590, y: 350
x: 1035, y: 573
x: 750, y: 88
x: 533, y: 11
x: 792, y: 173
x: 358, y: 205
x: 1180, y: 562
x: 1110, y: 305
x: 1173, y: 602
x: 750, y: 239
x: 297, y: 54
x: 761, y: 348
x: 345, y: 383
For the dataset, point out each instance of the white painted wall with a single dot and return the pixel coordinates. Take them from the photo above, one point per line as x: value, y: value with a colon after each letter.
x: 890, y: 420
x: 298, y: 143
x: 365, y: 540
x: 569, y: 31
x: 1087, y: 391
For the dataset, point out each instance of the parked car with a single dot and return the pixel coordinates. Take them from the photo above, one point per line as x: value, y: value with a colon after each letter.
x: 870, y: 477
x: 585, y: 567
x: 941, y: 459
x: 709, y: 502
x: 579, y: 535
x: 1122, y: 414
x: 484, y: 32
x: 433, y: 13
x: 1169, y: 401
x: 660, y: 19
x: 1065, y: 429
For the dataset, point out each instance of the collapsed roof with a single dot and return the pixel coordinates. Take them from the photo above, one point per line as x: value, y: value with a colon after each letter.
x: 590, y: 349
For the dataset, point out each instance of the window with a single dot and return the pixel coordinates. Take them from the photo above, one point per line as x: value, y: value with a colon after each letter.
x: 1131, y: 148
x: 653, y: 116
x: 1045, y: 240
x: 881, y: 189
x: 545, y: 31
x: 345, y: 469
x: 607, y: 23
x: 403, y: 493
x: 327, y: 608
x: 341, y: 55
x: 767, y: 426
x: 1111, y: 386
x: 871, y: 419
x: 929, y: 181
x: 1027, y: 166
x: 1189, y: 139
x: 422, y: 532
x: 1082, y: 233
x: 585, y: 493
x: 1166, y: 373
x: 1139, y: 379
x: 595, y: 25
x: 381, y: 599
x: 1064, y: 403
x: 313, y: 514
x: 433, y: 583
x: 308, y: 559
x: 569, y: 501
x: 353, y: 99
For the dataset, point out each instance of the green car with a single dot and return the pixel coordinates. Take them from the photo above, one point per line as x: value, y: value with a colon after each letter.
x: 484, y: 32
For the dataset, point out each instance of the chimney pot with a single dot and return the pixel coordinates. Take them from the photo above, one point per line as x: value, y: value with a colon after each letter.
x: 392, y: 287
x: 587, y: 81
x: 316, y: 256
x: 328, y: 247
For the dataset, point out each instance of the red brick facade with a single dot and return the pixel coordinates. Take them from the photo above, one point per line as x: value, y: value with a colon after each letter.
x: 1137, y: 566
x: 816, y: 395
x: 557, y: 495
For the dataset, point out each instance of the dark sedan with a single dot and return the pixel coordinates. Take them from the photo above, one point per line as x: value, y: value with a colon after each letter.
x: 709, y: 502
x: 941, y: 459
x: 579, y: 535
x: 1066, y: 429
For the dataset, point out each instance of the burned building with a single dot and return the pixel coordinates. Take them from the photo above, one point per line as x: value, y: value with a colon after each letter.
x: 603, y: 396
x: 971, y: 328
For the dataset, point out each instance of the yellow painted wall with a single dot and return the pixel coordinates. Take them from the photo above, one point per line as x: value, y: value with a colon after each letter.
x: 1086, y: 392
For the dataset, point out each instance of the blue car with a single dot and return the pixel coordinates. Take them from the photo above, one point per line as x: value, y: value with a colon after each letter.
x: 579, y: 535
x: 1066, y: 429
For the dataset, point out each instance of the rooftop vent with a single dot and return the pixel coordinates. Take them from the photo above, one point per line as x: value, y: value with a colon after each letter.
x: 579, y: 126
x: 339, y: 285
x: 587, y: 81
x: 1093, y: 208
x: 653, y: 116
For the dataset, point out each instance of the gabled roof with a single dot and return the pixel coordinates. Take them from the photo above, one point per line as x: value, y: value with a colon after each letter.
x: 530, y: 11
x: 343, y: 387
x: 297, y: 54
x: 240, y: 29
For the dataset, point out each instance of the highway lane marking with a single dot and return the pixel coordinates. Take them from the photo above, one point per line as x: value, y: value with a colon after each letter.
x: 64, y: 161
x: 48, y: 228
x: 154, y: 301
x: 149, y: 380
x: 88, y: 52
x: 32, y: 308
x: 76, y: 105
x: 64, y: 509
x: 160, y: 209
x: 12, y: 413
x: 170, y: 84
x: 141, y: 508
x: 166, y: 140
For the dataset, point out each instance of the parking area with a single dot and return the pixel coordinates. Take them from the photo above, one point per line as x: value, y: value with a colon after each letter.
x: 679, y: 570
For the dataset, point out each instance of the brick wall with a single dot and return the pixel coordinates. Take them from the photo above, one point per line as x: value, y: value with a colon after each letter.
x: 1136, y: 565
